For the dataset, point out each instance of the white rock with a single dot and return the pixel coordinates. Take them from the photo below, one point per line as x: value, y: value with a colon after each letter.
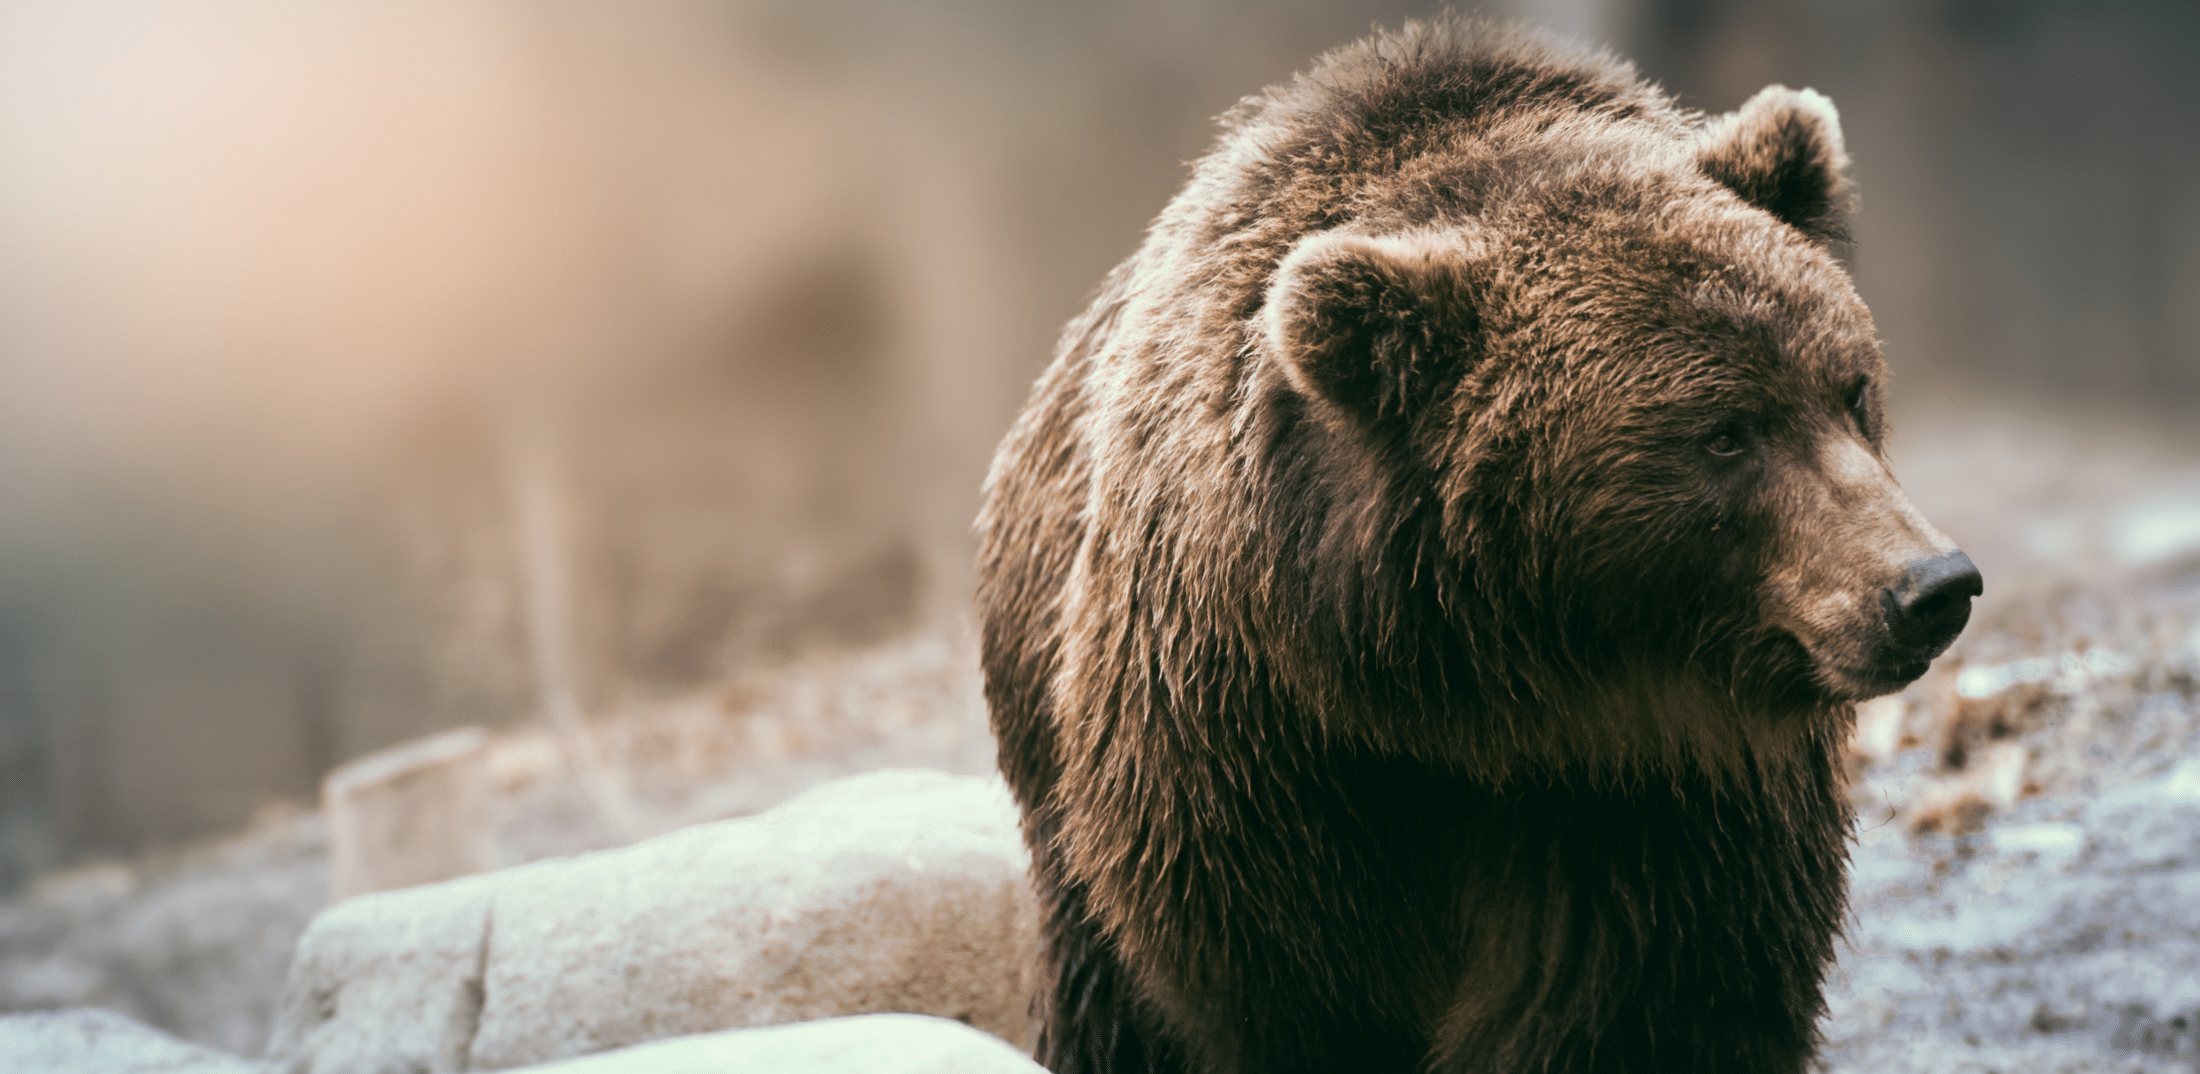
x: 389, y: 982
x: 889, y: 892
x: 102, y: 1042
x: 866, y: 1044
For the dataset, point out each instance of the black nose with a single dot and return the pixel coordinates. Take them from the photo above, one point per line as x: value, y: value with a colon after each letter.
x: 1930, y: 607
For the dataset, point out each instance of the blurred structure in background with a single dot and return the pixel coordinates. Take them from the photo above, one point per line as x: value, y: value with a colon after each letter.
x: 2030, y: 224
x: 373, y: 369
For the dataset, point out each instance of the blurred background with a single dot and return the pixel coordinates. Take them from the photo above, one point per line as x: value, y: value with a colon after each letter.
x: 309, y: 312
x: 373, y: 369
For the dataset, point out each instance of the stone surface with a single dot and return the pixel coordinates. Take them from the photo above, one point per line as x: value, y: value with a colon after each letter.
x: 389, y: 982
x: 412, y: 814
x: 866, y: 1044
x: 195, y: 944
x: 889, y: 892
x: 197, y: 941
x: 2059, y: 936
x: 103, y: 1042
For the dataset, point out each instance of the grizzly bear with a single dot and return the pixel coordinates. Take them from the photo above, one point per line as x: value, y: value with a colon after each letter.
x: 1423, y: 600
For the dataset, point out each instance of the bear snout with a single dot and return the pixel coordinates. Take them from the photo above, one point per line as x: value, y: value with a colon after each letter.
x: 1929, y: 607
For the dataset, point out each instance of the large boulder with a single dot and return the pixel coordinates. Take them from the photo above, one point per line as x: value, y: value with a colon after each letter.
x: 94, y: 1041
x: 103, y: 1042
x: 867, y: 1044
x: 887, y: 892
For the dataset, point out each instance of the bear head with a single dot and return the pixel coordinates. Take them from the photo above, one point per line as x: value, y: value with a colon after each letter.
x: 1646, y: 405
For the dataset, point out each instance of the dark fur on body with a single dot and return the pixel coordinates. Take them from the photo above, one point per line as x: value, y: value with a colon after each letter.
x: 1389, y: 677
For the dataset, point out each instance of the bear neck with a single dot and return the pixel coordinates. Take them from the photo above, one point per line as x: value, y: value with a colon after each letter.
x: 1490, y: 913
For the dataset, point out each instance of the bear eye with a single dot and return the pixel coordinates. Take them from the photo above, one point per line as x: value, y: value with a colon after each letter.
x: 1860, y: 405
x: 1727, y: 441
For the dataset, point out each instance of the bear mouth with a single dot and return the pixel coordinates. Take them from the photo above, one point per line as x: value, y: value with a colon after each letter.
x: 1879, y: 680
x: 1898, y: 664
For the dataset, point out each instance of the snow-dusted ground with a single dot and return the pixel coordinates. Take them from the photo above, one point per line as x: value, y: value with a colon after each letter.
x: 2057, y: 933
x: 2060, y: 938
x: 2026, y: 887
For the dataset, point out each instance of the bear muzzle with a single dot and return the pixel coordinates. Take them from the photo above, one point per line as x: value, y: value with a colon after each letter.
x: 1870, y: 588
x: 1925, y: 611
x: 1920, y: 615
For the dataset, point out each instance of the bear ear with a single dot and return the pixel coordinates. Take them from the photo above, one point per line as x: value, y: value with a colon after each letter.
x: 1374, y: 325
x: 1782, y: 153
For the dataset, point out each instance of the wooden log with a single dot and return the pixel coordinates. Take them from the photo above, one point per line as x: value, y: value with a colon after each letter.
x: 412, y: 814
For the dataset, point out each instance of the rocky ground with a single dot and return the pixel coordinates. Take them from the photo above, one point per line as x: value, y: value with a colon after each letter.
x: 2026, y: 888
x: 2027, y: 876
x: 197, y: 941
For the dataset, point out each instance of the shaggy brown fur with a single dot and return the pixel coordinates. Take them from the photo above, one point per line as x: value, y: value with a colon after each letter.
x: 1424, y: 597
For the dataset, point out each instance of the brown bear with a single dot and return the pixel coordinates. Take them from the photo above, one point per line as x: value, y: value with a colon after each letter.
x: 1424, y: 598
